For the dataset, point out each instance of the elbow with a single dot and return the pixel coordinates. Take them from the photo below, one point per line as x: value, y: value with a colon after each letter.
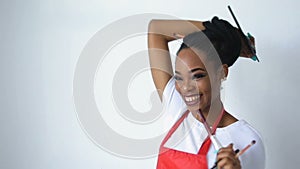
x: 152, y: 25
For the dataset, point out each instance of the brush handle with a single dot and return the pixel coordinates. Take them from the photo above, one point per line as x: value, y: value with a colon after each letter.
x: 215, y: 142
x: 212, y: 137
x: 246, y: 40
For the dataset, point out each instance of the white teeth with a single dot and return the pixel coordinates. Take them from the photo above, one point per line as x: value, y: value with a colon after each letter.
x: 192, y: 98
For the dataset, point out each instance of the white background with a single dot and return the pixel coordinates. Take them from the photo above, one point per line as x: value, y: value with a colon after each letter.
x: 42, y: 40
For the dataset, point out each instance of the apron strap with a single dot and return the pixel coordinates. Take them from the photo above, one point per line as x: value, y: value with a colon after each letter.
x: 174, y: 127
x: 207, y: 141
x: 214, y: 128
x: 206, y: 144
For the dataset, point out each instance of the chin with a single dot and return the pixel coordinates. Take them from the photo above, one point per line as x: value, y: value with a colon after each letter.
x: 193, y: 108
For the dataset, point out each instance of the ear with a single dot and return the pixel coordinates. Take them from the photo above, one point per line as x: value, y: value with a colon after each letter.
x: 223, y: 71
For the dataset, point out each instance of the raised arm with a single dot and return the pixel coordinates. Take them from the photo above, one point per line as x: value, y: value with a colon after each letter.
x: 161, y: 32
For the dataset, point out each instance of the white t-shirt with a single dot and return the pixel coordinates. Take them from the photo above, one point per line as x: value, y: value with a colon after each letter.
x: 191, y: 133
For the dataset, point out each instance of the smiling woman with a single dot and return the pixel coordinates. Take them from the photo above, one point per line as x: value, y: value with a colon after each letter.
x: 192, y: 81
x: 208, y: 49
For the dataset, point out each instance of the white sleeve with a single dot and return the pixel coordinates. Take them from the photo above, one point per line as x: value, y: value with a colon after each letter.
x: 173, y: 104
x: 241, y: 134
x: 255, y: 156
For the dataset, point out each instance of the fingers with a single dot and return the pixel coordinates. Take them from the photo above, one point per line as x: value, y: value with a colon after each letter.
x: 178, y: 36
x: 226, y: 158
x: 251, y: 38
x: 248, y: 46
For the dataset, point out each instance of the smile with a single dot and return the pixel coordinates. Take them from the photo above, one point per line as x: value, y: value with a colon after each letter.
x: 192, y: 100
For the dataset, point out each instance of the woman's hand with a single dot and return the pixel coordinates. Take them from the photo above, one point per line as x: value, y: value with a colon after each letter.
x: 227, y: 159
x: 245, y: 52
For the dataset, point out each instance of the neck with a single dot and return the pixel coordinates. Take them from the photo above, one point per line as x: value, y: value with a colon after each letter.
x: 212, y: 112
x: 215, y: 108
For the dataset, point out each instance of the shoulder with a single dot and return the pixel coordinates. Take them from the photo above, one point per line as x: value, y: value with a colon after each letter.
x: 171, y: 97
x: 241, y: 127
x: 169, y: 90
x: 173, y: 104
x: 241, y: 134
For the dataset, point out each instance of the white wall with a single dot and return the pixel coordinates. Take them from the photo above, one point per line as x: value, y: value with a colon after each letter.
x: 41, y: 42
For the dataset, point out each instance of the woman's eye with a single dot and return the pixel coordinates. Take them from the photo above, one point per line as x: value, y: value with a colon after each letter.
x: 199, y: 76
x: 177, y: 78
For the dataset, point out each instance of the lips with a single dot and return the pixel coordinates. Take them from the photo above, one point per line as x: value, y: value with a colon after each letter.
x: 192, y: 100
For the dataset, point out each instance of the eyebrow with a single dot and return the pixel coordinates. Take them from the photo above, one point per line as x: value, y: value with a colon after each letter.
x: 193, y: 70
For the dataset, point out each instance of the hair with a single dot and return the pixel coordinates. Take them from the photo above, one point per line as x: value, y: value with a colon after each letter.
x: 220, y: 40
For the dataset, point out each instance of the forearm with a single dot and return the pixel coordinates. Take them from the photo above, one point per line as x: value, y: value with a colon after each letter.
x: 167, y: 28
x: 160, y: 32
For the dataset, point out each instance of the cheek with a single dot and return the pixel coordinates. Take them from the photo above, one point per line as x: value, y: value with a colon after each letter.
x: 204, y: 85
x: 214, y: 89
x: 177, y: 87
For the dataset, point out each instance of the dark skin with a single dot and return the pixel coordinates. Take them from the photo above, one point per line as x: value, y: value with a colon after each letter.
x: 193, y: 85
x: 193, y: 80
x: 245, y: 52
x: 198, y: 82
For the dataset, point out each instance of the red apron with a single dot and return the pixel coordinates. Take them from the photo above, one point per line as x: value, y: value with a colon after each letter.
x: 175, y: 159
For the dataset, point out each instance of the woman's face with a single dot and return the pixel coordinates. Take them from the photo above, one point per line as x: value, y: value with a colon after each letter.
x: 193, y: 81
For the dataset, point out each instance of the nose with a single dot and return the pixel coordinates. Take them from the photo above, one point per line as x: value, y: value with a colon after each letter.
x: 188, y: 85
